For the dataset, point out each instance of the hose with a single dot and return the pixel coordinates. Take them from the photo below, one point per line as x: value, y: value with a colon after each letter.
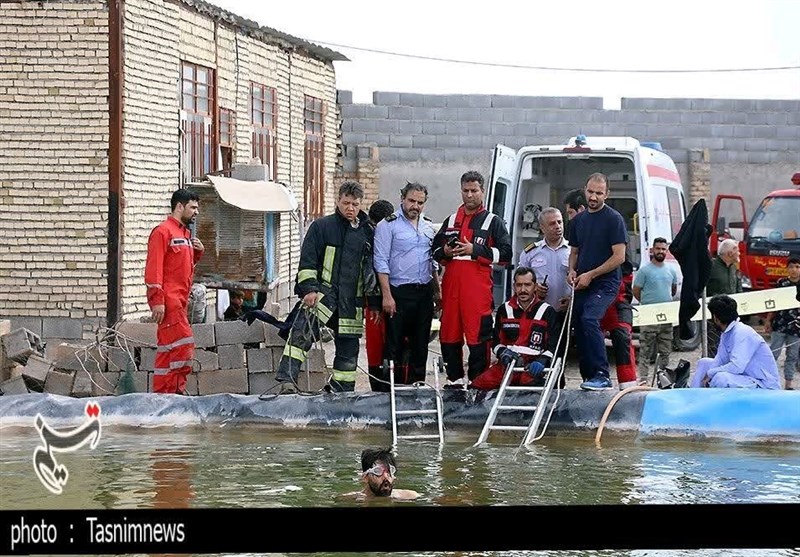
x: 611, y: 404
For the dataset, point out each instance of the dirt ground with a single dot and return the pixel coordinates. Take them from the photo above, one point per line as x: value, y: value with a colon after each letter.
x: 572, y: 375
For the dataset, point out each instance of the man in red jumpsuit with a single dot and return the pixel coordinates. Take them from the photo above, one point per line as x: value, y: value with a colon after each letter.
x: 172, y: 253
x: 618, y: 321
x: 526, y: 321
x: 468, y: 243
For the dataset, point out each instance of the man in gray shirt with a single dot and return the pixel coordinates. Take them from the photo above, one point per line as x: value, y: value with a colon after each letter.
x: 549, y: 259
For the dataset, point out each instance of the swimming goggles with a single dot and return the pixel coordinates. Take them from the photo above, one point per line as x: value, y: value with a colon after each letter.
x: 379, y: 469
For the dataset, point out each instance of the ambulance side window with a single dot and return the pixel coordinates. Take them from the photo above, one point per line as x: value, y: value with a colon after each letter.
x: 499, y: 199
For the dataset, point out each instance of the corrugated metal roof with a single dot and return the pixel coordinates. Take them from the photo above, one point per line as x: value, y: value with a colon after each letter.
x: 266, y: 34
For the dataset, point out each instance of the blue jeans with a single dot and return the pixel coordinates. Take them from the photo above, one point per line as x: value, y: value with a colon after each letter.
x: 590, y: 306
x: 776, y: 342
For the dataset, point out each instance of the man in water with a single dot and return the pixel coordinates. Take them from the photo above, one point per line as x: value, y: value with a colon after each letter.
x: 379, y: 473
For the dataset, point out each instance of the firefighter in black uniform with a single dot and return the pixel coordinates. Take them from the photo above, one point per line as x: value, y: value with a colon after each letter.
x: 335, y: 269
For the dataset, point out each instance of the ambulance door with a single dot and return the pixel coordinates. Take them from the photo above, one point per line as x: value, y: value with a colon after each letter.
x: 501, y: 197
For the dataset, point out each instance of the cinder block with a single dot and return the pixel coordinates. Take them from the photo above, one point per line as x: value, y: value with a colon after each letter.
x: 76, y: 357
x: 203, y: 334
x: 5, y: 327
x: 59, y: 382
x: 104, y: 384
x: 82, y: 386
x: 231, y: 356
x: 20, y: 343
x: 260, y: 359
x: 263, y: 382
x: 223, y: 381
x: 238, y: 332
x: 119, y: 358
x: 191, y: 385
x: 35, y: 372
x: 271, y: 337
x: 147, y: 360
x: 312, y: 381
x: 315, y: 360
x: 141, y: 382
x: 14, y: 386
x: 277, y: 354
x: 138, y: 334
x: 62, y: 328
x: 33, y: 324
x: 205, y: 360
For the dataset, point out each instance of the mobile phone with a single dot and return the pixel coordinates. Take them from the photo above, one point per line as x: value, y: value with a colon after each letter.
x: 452, y: 241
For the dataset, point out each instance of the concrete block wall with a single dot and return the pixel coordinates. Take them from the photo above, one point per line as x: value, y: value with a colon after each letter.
x: 237, y: 358
x: 753, y: 145
x: 54, y: 171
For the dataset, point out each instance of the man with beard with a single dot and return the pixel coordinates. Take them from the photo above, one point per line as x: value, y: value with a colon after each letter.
x: 527, y: 321
x: 379, y: 473
x: 408, y: 282
x: 743, y: 360
x: 597, y: 239
x: 654, y: 284
x: 172, y: 253
x: 469, y: 242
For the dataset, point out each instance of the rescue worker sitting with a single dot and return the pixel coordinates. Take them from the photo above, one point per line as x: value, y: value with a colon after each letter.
x: 743, y: 358
x: 526, y: 321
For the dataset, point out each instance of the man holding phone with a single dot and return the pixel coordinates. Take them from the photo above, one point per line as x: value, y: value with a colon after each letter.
x: 469, y: 242
x: 549, y: 259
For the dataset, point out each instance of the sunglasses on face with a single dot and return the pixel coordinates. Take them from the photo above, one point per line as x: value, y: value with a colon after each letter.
x: 379, y: 469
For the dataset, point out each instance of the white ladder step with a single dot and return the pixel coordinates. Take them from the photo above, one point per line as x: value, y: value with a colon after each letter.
x: 431, y: 436
x: 523, y: 388
x: 408, y: 412
x: 413, y: 388
x: 523, y: 408
x: 510, y: 427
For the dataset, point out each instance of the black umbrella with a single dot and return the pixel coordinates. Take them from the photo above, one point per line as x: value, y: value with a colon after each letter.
x: 690, y: 248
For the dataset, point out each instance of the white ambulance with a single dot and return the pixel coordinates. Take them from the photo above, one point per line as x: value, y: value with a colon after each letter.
x: 644, y: 187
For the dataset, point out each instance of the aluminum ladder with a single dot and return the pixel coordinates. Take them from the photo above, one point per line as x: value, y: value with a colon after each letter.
x: 393, y: 389
x: 531, y: 430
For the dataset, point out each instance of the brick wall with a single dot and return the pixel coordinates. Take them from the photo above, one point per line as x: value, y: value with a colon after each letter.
x: 753, y: 145
x: 54, y: 171
x: 154, y: 28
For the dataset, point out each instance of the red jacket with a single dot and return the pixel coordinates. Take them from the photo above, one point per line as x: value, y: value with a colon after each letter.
x: 169, y: 270
x: 536, y: 328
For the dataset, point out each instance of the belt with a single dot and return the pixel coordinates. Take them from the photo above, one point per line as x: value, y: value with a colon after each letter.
x: 414, y: 286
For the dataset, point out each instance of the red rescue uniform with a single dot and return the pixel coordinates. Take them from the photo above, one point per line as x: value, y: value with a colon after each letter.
x: 467, y: 300
x: 535, y: 328
x: 618, y: 321
x: 168, y: 276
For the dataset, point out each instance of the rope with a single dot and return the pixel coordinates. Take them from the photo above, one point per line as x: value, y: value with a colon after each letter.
x: 611, y: 404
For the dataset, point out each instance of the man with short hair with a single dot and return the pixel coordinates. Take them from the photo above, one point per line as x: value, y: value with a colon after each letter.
x: 469, y: 242
x: 407, y: 280
x: 379, y: 472
x: 724, y: 278
x: 335, y: 268
x: 526, y: 321
x: 172, y: 253
x: 597, y: 237
x: 549, y: 259
x: 655, y: 283
x: 743, y: 359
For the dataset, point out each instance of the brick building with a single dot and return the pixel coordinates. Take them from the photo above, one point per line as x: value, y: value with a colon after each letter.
x: 106, y: 107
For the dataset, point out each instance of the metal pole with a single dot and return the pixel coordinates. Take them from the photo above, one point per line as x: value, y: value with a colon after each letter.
x: 704, y: 327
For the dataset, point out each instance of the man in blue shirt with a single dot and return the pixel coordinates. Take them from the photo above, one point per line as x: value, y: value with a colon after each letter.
x: 408, y: 283
x: 654, y: 284
x: 743, y: 358
x: 597, y: 239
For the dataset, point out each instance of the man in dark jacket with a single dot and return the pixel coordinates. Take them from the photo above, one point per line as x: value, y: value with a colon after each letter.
x: 335, y: 269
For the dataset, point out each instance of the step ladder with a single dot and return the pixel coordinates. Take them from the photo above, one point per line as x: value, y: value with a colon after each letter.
x: 393, y: 389
x: 531, y: 430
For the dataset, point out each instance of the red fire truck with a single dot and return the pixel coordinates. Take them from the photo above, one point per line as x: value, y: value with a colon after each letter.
x: 768, y: 240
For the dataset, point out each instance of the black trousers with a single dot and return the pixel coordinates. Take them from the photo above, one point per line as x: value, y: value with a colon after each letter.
x: 410, y: 327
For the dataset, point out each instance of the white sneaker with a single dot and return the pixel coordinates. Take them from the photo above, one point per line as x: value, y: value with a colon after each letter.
x: 460, y: 383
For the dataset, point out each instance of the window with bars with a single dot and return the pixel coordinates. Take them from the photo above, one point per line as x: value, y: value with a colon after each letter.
x: 227, y: 137
x: 314, y: 190
x: 197, y: 121
x: 264, y: 117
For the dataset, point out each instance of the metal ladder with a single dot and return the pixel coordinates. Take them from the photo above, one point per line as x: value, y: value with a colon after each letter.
x: 415, y: 387
x: 531, y: 430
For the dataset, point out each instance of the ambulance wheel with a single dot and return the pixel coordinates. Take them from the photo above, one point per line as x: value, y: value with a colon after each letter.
x: 680, y: 345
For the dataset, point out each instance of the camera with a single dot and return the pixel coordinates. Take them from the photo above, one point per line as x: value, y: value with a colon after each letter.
x: 452, y: 241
